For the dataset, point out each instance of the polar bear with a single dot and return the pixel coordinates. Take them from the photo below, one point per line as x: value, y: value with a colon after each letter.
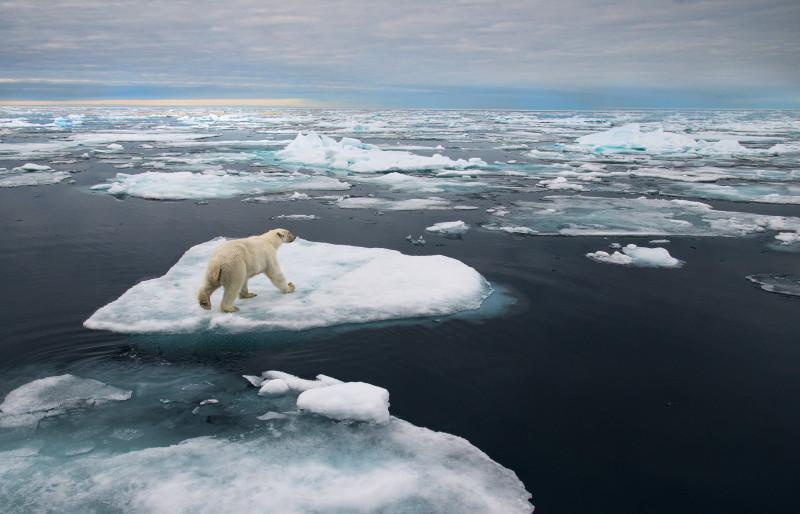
x: 234, y: 262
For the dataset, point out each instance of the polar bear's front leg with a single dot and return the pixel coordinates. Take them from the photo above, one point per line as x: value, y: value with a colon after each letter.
x: 275, y: 276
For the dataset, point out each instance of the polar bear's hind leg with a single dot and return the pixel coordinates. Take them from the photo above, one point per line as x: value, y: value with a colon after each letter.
x: 244, y: 293
x: 233, y: 279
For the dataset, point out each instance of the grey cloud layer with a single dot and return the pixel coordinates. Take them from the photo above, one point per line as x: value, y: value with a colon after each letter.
x: 363, y: 43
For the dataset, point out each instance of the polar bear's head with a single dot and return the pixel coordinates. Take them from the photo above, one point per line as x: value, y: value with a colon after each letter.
x: 279, y: 236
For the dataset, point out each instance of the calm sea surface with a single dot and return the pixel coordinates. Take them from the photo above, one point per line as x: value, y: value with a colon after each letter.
x: 603, y: 387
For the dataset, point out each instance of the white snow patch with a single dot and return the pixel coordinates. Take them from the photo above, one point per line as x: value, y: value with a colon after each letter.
x: 355, y: 401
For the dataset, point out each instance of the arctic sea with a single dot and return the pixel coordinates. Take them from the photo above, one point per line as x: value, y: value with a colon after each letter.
x: 581, y: 311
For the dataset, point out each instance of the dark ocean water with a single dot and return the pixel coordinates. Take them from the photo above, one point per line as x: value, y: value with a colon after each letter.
x: 604, y: 388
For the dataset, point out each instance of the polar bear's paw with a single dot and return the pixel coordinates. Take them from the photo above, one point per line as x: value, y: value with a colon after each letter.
x: 247, y: 295
x: 290, y: 288
x: 232, y: 308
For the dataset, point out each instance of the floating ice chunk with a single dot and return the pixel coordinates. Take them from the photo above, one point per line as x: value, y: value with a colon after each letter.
x: 356, y: 401
x: 36, y: 178
x: 449, y: 228
x: 630, y: 138
x: 336, y: 284
x: 788, y: 238
x: 51, y: 396
x: 274, y: 386
x: 784, y: 149
x: 587, y: 215
x: 352, y: 155
x: 254, y: 380
x: 32, y: 167
x: 424, y: 185
x: 782, y: 284
x: 760, y: 193
x: 638, y: 256
x: 561, y: 183
x: 384, y: 204
x: 115, y: 147
x: 307, y: 217
x: 295, y: 383
x: 271, y: 415
x: 420, y: 241
x: 184, y: 185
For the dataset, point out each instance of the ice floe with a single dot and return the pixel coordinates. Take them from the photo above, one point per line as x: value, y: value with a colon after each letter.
x: 782, y: 284
x: 217, y: 447
x: 449, y: 228
x: 425, y: 185
x: 633, y: 255
x: 52, y: 396
x: 577, y: 215
x: 348, y: 154
x: 631, y: 138
x: 335, y: 284
x: 184, y: 185
x: 385, y: 204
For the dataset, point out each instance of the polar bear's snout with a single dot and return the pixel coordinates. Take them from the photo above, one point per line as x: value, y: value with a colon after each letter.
x: 288, y: 237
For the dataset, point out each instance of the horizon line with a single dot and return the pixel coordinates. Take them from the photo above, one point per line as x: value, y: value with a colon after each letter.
x: 177, y: 102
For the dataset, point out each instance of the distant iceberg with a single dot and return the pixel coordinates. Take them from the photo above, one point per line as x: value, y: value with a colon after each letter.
x: 349, y: 154
x: 185, y: 185
x: 335, y: 285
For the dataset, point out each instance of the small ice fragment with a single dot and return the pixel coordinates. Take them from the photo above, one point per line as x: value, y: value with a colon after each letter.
x: 356, y: 401
x: 416, y: 242
x: 271, y: 415
x: 276, y: 386
x: 638, y: 256
x: 254, y: 380
x: 449, y: 228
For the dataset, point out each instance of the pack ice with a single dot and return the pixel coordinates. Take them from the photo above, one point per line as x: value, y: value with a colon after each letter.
x: 349, y: 154
x: 183, y: 446
x: 631, y: 138
x: 578, y: 215
x: 185, y: 185
x: 335, y: 284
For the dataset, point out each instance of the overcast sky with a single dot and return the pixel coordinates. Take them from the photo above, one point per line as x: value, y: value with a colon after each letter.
x: 407, y: 53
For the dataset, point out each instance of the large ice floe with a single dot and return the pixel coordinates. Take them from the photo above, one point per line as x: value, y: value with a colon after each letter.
x: 577, y: 215
x: 192, y: 441
x: 183, y: 185
x: 348, y: 154
x: 631, y: 138
x: 643, y: 257
x: 31, y: 174
x: 336, y: 285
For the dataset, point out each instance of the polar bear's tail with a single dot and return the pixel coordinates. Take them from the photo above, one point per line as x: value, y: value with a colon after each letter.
x: 210, y: 284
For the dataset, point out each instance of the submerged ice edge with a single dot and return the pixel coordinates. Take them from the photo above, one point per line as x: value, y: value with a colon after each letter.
x: 321, y: 445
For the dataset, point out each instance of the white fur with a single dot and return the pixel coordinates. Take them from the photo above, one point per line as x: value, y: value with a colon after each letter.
x: 233, y: 263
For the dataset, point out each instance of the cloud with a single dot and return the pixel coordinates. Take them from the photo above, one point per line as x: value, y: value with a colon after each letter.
x: 314, y: 44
